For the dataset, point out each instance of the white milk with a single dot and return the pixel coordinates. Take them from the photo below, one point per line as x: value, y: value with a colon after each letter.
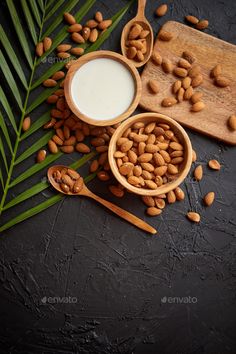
x: 102, y: 89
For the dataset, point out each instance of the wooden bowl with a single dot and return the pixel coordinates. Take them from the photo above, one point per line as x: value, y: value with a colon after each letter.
x: 180, y: 134
x: 95, y: 55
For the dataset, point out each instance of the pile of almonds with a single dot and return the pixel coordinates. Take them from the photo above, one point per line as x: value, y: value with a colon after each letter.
x: 69, y: 180
x: 43, y: 46
x: 136, y: 43
x: 149, y: 155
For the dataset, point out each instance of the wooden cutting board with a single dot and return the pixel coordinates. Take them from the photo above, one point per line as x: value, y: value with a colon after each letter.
x: 220, y: 102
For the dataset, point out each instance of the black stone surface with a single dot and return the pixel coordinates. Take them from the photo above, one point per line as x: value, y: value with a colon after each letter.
x: 127, y: 292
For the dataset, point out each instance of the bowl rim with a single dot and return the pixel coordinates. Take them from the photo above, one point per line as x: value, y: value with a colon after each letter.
x: 166, y: 187
x: 96, y: 55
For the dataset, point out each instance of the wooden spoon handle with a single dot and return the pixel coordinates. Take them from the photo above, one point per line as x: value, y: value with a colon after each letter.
x: 141, y: 8
x: 123, y: 214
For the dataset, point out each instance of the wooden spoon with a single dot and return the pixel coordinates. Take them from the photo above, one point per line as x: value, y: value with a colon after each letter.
x: 87, y: 193
x: 141, y: 20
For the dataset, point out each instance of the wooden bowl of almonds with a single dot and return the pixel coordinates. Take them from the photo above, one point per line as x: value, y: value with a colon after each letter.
x: 150, y: 154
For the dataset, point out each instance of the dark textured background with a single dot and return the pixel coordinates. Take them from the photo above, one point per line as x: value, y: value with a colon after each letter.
x: 117, y: 273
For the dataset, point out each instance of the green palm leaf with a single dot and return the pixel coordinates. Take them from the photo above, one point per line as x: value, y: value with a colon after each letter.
x: 29, y: 20
x: 35, y: 11
x: 41, y: 98
x: 35, y: 147
x: 41, y: 5
x: 7, y: 108
x: 54, y: 9
x: 49, y: 4
x: 19, y: 31
x: 3, y: 154
x: 10, y: 79
x: 1, y: 179
x: 12, y: 56
x: 5, y: 132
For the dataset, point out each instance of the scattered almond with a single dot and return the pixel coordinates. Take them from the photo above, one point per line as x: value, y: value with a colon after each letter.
x: 198, y: 173
x: 196, y: 97
x: 232, y: 122
x: 188, y: 56
x: 157, y: 59
x: 69, y: 18
x: 26, y: 124
x: 74, y: 28
x: 104, y: 24
x: 39, y: 49
x: 214, y: 165
x: 153, y: 211
x: 209, y: 198
x: 180, y: 72
x: 192, y: 216
x: 116, y: 191
x: 165, y: 35
x: 153, y: 85
x: 77, y: 38
x: 192, y: 19
x: 198, y: 106
x: 166, y: 65
x: 179, y: 193
x: 222, y: 81
x: 203, y: 24
x: 47, y: 43
x: 168, y: 101
x: 216, y: 71
x: 77, y: 51
x: 41, y: 155
x: 98, y: 16
x: 161, y: 10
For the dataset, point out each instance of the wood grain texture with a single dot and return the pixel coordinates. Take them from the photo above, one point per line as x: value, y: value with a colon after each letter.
x: 220, y: 102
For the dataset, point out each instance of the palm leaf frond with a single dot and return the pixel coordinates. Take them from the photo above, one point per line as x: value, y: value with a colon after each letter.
x: 5, y: 132
x: 41, y: 98
x: 2, y: 152
x: 29, y: 20
x: 54, y: 9
x: 12, y: 56
x: 20, y: 31
x: 41, y: 5
x: 1, y: 179
x: 7, y: 108
x: 35, y: 11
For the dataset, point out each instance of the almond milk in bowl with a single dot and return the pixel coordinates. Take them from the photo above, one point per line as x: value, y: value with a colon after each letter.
x: 102, y: 88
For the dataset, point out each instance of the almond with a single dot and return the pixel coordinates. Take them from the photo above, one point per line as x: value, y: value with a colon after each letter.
x: 216, y: 71
x: 160, y: 171
x: 77, y: 51
x: 70, y: 141
x: 74, y: 28
x: 214, y: 165
x: 171, y: 197
x: 188, y: 56
x: 67, y: 149
x: 222, y: 81
x: 93, y: 35
x: 196, y: 97
x: 140, y: 56
x: 132, y: 156
x: 176, y: 146
x: 65, y: 188
x: 165, y: 156
x: 168, y: 101
x: 63, y: 55
x: 137, y: 171
x: 203, y: 24
x: 41, y: 155
x: 177, y: 160
x: 69, y: 18
x: 116, y: 191
x: 179, y: 193
x: 58, y: 75
x: 198, y: 173
x: 91, y: 24
x: 180, y: 94
x: 39, y: 49
x: 26, y: 124
x: 83, y: 148
x: 188, y: 93
x: 209, y: 198
x: 186, y: 82
x: 126, y: 168
x: 161, y: 10
x: 150, y: 184
x: 73, y: 174
x: 153, y: 85
x: 57, y: 140
x: 232, y: 122
x: 165, y: 35
x: 157, y: 59
x: 148, y: 201
x: 94, y: 166
x: 138, y: 44
x: 192, y: 19
x: 47, y: 43
x: 131, y: 52
x: 176, y: 86
x: 166, y: 65
x: 59, y: 132
x: 86, y: 33
x: 103, y: 176
x: 56, y: 113
x: 98, y: 16
x: 153, y: 211
x: 194, y: 71
x: 104, y: 24
x: 77, y: 38
x: 147, y: 166
x: 180, y: 72
x: 50, y: 124
x: 133, y: 180
x: 52, y: 99
x: 135, y: 31
x: 197, y: 80
x: 172, y: 169
x: 145, y: 157
x: 194, y: 156
x: 192, y: 216
x: 144, y: 34
x: 52, y: 147
x: 183, y: 63
x: 159, y: 160
x: 198, y: 106
x: 126, y: 146
x: 78, y: 185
